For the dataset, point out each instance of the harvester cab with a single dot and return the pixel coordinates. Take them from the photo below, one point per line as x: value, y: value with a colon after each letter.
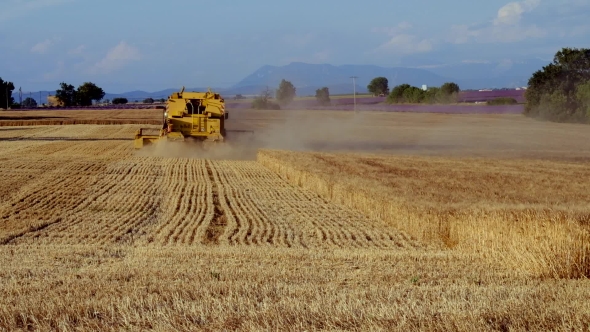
x: 198, y: 116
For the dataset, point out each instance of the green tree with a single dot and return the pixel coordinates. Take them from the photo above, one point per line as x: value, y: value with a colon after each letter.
x: 583, y: 95
x: 148, y: 101
x: 432, y: 95
x: 29, y: 102
x: 285, y: 93
x: 414, y: 95
x: 88, y: 92
x: 556, y: 92
x: 397, y: 93
x: 378, y: 86
x: 448, y: 93
x: 67, y: 94
x: 120, y: 101
x: 449, y: 88
x: 6, y: 89
x: 323, y: 96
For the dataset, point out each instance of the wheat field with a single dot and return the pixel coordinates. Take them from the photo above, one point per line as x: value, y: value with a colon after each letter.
x: 97, y: 236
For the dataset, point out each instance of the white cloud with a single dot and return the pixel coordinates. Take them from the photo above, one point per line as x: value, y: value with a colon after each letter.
x: 475, y: 61
x: 12, y: 9
x: 78, y: 50
x: 406, y: 44
x: 401, y: 42
x: 505, y: 28
x: 42, y: 47
x: 512, y: 12
x: 116, y: 58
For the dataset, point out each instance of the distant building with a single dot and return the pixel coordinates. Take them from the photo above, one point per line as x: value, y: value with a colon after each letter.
x: 424, y: 87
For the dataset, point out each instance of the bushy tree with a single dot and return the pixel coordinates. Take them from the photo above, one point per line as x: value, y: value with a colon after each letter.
x: 432, y: 95
x: 583, y: 95
x: 6, y: 89
x: 449, y: 93
x: 67, y: 94
x: 323, y: 96
x: 449, y: 88
x: 379, y: 85
x: 120, y: 101
x: 29, y: 102
x: 148, y: 101
x: 286, y: 92
x: 557, y: 92
x: 413, y: 95
x: 397, y: 93
x: 87, y: 92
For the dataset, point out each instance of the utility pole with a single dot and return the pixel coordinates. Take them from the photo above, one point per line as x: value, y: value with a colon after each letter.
x: 354, y: 90
x: 7, y: 106
x: 20, y: 96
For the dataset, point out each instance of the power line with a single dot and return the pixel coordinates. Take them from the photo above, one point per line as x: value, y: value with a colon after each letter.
x: 354, y: 90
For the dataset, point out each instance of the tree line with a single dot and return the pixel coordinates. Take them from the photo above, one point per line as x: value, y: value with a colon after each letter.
x: 406, y: 93
x: 560, y: 91
x: 284, y: 95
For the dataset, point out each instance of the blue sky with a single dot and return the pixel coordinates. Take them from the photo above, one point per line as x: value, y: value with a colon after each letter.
x: 151, y: 45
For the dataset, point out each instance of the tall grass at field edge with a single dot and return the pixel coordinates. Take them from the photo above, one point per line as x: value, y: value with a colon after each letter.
x: 549, y: 243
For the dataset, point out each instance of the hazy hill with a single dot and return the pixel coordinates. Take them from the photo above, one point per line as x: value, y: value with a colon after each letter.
x: 309, y: 77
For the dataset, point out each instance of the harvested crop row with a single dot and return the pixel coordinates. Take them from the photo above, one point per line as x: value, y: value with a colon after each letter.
x: 185, y: 208
x: 121, y: 203
x: 43, y: 202
x: 269, y: 211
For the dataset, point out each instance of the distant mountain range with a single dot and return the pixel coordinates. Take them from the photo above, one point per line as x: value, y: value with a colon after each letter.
x: 309, y: 77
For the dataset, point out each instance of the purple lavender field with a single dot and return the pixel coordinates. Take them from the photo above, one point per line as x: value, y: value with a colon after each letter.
x: 482, y: 96
x: 446, y: 109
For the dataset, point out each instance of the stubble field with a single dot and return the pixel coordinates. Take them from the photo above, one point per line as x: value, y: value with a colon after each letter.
x: 95, y: 235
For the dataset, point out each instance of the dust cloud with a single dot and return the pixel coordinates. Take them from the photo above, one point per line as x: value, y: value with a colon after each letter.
x: 298, y: 131
x: 476, y: 135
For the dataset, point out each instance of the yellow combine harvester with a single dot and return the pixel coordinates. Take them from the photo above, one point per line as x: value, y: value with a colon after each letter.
x: 189, y: 115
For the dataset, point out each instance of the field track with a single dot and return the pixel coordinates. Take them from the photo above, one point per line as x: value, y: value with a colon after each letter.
x: 84, y: 185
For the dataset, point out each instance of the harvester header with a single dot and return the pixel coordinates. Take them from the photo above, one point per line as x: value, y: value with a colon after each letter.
x: 189, y: 115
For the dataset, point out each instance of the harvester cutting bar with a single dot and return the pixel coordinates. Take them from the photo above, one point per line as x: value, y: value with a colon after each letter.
x: 145, y: 136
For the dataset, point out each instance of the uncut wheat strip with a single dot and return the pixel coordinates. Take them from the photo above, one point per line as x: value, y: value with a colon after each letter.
x: 230, y: 173
x: 92, y: 149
